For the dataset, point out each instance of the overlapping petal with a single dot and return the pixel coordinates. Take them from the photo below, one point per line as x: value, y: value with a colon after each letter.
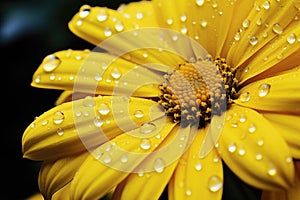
x: 288, y: 127
x: 95, y: 73
x: 197, y: 177
x: 255, y: 151
x: 113, y: 161
x: 278, y: 93
x: 54, y: 175
x: 86, y: 123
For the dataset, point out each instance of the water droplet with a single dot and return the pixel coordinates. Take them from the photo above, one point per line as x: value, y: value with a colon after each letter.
x: 253, y: 40
x: 79, y: 22
x: 264, y: 89
x: 232, y: 147
x: 203, y: 23
x: 183, y: 18
x: 138, y: 114
x: 170, y: 21
x: 159, y: 165
x: 272, y: 171
x: 124, y: 159
x: 139, y: 15
x: 119, y: 26
x: 51, y: 63
x: 266, y: 5
x: 106, y: 158
x: 188, y: 192
x: 252, y: 128
x: 58, y: 117
x: 242, y: 151
x: 198, y: 166
x: 277, y: 28
x: 102, y: 16
x: 289, y: 159
x: 258, y: 157
x: 242, y: 118
x: 107, y: 32
x: 60, y: 131
x: 141, y: 172
x: 84, y: 11
x: 260, y: 142
x: 237, y: 36
x: 215, y: 183
x: 246, y: 23
x: 88, y: 101
x: 200, y: 2
x: 147, y: 128
x: 98, y: 122
x: 103, y: 109
x: 291, y: 39
x: 184, y: 30
x: 45, y: 122
x: 98, y: 77
x: 259, y: 21
x: 214, y: 4
x: 145, y: 144
x: 115, y: 73
x: 244, y: 97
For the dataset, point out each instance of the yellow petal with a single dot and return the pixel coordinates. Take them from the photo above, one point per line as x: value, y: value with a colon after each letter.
x: 95, y: 73
x: 36, y: 196
x: 279, y: 93
x: 267, y: 20
x: 280, y: 54
x: 113, y: 161
x: 288, y: 127
x: 254, y: 151
x: 196, y: 177
x: 56, y: 174
x: 63, y: 193
x: 292, y: 193
x: 85, y: 123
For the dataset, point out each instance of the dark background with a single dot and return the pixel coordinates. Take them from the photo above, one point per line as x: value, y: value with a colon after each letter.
x: 29, y: 31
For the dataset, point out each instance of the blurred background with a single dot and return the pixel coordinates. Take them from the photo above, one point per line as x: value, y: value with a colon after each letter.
x: 29, y: 31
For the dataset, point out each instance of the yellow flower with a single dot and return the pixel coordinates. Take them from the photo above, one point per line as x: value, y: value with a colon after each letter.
x: 176, y: 90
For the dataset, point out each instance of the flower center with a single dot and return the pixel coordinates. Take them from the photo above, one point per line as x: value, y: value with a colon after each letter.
x: 194, y: 92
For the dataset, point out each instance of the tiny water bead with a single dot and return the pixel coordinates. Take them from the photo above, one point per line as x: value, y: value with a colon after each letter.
x: 195, y: 91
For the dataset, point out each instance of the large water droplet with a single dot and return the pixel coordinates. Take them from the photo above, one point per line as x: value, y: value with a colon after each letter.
x: 84, y: 11
x: 200, y: 2
x: 198, y: 166
x: 277, y: 28
x: 147, y: 128
x: 291, y: 39
x: 107, y: 32
x: 58, y: 117
x: 244, y: 97
x: 103, y: 109
x: 159, y: 165
x: 51, y: 63
x: 266, y: 5
x: 138, y: 114
x: 98, y: 122
x: 102, y: 16
x: 60, y: 131
x: 115, y: 73
x: 252, y: 128
x: 215, y: 183
x: 246, y: 23
x: 253, y: 40
x: 264, y: 89
x: 119, y: 26
x: 145, y: 144
x: 232, y: 147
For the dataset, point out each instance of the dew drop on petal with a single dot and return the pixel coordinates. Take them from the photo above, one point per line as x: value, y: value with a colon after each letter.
x: 258, y: 157
x: 277, y: 28
x: 266, y: 5
x: 244, y: 97
x: 138, y: 114
x: 147, y: 128
x: 203, y: 23
x: 124, y: 159
x: 246, y: 23
x: 107, y: 32
x: 84, y: 12
x: 237, y: 36
x: 253, y: 40
x: 159, y: 165
x: 215, y: 183
x: 115, y: 73
x: 232, y: 147
x: 106, y: 158
x: 98, y: 122
x: 188, y: 192
x: 60, y: 131
x: 200, y: 2
x: 102, y: 16
x: 198, y: 166
x: 103, y: 109
x: 58, y: 117
x: 119, y: 26
x: 272, y: 171
x: 264, y: 89
x: 291, y: 39
x: 252, y: 128
x: 145, y: 144
x: 51, y: 63
x: 45, y: 122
